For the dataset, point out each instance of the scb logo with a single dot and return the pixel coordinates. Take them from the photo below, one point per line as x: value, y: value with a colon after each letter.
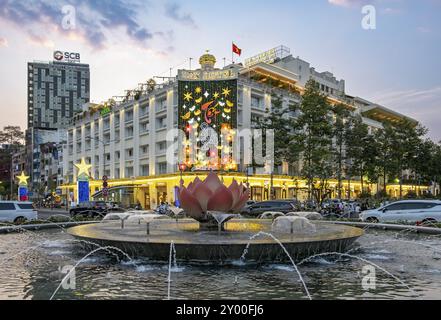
x: 68, y: 56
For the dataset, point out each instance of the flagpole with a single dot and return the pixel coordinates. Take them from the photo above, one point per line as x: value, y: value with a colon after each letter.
x: 232, y: 52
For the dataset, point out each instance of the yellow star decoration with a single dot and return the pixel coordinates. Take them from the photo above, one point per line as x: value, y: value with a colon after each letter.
x: 216, y: 95
x: 226, y: 92
x: 198, y: 90
x: 83, y: 168
x: 188, y: 96
x: 22, y: 179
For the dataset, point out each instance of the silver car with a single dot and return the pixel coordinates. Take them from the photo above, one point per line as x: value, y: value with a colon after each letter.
x: 407, y: 211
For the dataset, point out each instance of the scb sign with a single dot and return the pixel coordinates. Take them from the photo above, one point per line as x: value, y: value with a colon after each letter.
x: 67, y: 56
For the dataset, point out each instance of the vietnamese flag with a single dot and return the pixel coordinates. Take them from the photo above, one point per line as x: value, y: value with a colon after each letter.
x: 237, y: 50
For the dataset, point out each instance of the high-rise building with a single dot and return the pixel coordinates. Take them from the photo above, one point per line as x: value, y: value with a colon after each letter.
x: 56, y: 91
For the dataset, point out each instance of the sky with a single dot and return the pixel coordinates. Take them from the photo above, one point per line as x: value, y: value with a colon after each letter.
x: 397, y: 64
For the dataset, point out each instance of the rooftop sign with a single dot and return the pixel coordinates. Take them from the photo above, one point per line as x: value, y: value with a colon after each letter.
x: 269, y: 56
x: 200, y: 75
x: 62, y: 56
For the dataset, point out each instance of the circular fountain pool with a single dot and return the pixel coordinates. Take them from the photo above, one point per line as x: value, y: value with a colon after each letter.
x: 192, y: 244
x: 32, y: 264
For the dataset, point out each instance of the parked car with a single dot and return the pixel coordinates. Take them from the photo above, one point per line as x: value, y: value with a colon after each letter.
x: 17, y: 212
x: 258, y: 208
x: 91, y: 209
x: 407, y: 211
x: 250, y: 202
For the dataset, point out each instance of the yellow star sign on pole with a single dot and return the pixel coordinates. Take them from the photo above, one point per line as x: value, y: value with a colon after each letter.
x: 22, y: 179
x: 83, y: 168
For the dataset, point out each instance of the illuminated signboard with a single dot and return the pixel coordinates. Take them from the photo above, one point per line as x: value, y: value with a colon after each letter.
x: 62, y: 56
x: 267, y: 57
x: 207, y: 110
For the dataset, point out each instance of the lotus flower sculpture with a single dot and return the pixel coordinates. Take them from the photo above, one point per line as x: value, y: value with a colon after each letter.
x: 204, y: 200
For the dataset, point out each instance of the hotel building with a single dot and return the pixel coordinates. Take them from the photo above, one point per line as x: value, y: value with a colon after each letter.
x: 126, y: 140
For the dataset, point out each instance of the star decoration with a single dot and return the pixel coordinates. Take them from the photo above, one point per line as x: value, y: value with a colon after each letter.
x: 226, y: 92
x: 83, y: 168
x: 198, y: 90
x: 22, y: 179
x: 206, y: 94
x: 216, y: 95
x: 188, y: 96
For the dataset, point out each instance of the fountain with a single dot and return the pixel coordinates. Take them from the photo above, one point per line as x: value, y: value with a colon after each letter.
x: 214, y: 230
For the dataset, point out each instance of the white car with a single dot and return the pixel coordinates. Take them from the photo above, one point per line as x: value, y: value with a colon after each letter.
x: 17, y: 212
x: 407, y: 211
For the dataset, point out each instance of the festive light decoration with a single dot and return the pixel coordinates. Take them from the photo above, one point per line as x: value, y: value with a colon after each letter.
x: 214, y: 109
x: 83, y: 168
x: 22, y: 179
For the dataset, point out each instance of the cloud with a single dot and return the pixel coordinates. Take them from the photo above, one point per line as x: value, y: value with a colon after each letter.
x: 423, y: 105
x: 172, y: 10
x: 94, y: 19
x: 348, y: 3
x: 3, y: 42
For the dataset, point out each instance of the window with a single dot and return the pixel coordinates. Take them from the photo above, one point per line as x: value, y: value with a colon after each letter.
x: 395, y: 207
x: 144, y: 110
x: 256, y: 102
x: 129, y: 172
x: 161, y: 123
x: 418, y: 205
x: 7, y: 206
x: 129, y: 115
x: 144, y: 149
x: 161, y: 146
x: 129, y: 132
x: 129, y: 153
x: 162, y: 167
x: 144, y: 127
x: 117, y: 155
x: 161, y: 105
x: 144, y: 170
x: 106, y: 124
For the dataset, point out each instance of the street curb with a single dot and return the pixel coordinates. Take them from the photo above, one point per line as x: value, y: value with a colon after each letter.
x: 394, y: 227
x: 44, y: 226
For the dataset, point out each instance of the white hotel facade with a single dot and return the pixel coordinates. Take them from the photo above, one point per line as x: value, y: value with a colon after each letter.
x: 127, y: 141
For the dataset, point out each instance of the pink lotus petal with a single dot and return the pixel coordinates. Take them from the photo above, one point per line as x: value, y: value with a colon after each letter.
x: 243, y: 200
x: 190, y: 204
x: 190, y: 187
x: 202, y: 194
x: 213, y: 182
x: 221, y: 200
x: 236, y: 192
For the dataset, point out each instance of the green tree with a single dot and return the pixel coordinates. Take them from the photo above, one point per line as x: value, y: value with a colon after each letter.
x: 360, y: 149
x: 340, y: 133
x: 312, y: 139
x: 12, y: 135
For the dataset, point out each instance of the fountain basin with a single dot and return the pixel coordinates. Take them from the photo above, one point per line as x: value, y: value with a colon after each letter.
x: 193, y: 244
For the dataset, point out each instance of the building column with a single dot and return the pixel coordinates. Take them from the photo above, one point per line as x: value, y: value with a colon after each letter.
x: 122, y: 145
x: 170, y: 120
x: 152, y: 142
x: 136, y: 139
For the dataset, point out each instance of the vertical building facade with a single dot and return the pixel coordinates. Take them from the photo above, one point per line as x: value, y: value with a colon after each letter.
x: 56, y: 91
